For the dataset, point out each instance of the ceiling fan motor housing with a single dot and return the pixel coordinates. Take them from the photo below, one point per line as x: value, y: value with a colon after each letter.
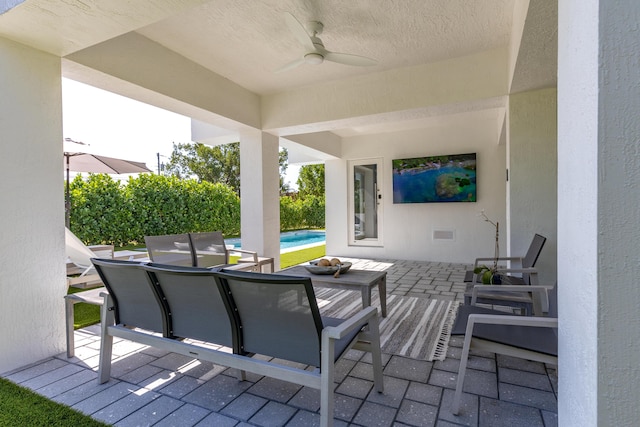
x: 313, y: 58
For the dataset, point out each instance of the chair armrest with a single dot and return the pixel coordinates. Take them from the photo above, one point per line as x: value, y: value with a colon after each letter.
x: 540, y: 296
x: 356, y: 321
x: 496, y: 319
x: 87, y: 280
x: 542, y: 290
x: 529, y: 270
x: 242, y: 251
x: 101, y: 250
x: 532, y: 271
x: 509, y: 258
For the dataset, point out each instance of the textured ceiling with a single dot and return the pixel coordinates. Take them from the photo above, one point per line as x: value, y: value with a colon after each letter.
x: 247, y: 40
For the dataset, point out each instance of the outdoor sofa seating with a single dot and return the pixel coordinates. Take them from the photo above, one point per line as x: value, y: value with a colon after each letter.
x: 528, y: 276
x: 176, y: 308
x: 206, y: 249
x: 531, y: 338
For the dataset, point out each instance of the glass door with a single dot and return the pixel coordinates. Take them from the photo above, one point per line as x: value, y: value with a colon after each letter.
x: 365, y: 202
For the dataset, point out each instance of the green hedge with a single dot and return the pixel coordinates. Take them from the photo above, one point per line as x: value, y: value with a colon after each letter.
x: 105, y: 211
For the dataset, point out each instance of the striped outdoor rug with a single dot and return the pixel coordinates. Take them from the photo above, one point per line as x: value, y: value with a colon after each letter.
x: 418, y: 328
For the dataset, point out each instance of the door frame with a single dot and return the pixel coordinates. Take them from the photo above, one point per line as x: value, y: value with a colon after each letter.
x: 378, y: 198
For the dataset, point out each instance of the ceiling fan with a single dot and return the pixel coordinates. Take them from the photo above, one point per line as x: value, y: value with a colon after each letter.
x: 315, y: 51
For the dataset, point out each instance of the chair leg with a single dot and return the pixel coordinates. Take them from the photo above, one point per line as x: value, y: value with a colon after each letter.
x: 241, y: 375
x: 106, y: 341
x: 376, y: 355
x: 68, y: 308
x: 455, y: 406
x: 327, y: 374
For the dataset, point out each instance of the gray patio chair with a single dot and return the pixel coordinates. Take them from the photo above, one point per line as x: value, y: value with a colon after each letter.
x: 529, y: 276
x: 279, y: 317
x: 170, y: 249
x: 195, y: 303
x: 130, y: 292
x: 209, y: 249
x: 531, y: 338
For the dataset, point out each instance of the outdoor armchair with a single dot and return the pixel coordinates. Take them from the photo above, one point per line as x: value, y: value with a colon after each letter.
x: 527, y: 265
x: 531, y: 338
x: 206, y: 249
x: 279, y: 317
x: 209, y: 249
x: 528, y: 276
x: 171, y: 249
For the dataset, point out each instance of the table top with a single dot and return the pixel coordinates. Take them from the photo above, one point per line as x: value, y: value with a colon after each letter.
x: 351, y: 277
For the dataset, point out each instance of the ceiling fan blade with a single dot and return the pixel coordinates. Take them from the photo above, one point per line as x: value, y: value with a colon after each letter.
x: 299, y: 31
x: 348, y: 59
x: 290, y: 65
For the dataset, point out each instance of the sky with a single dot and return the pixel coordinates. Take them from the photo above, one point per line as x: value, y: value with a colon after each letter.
x: 116, y: 126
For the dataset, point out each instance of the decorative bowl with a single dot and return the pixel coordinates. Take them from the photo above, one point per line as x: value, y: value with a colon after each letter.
x: 314, y: 268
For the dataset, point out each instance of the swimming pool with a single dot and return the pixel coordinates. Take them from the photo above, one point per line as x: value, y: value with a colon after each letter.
x: 290, y: 239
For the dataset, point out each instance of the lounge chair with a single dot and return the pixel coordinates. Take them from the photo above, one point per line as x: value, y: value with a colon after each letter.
x: 531, y: 338
x: 80, y: 271
x: 82, y: 274
x: 529, y: 276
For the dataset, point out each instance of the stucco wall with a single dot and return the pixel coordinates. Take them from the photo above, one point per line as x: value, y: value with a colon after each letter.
x: 532, y: 159
x: 598, y: 233
x: 32, y: 276
x: 407, y: 229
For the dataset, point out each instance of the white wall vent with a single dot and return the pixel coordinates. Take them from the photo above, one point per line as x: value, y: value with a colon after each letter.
x: 444, y: 235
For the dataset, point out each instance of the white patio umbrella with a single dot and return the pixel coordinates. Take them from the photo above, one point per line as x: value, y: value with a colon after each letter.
x: 85, y: 162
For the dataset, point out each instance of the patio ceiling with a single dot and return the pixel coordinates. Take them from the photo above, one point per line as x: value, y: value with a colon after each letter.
x: 243, y: 42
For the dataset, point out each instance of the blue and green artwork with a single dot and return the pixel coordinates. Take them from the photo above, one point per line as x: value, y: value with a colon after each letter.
x: 434, y: 179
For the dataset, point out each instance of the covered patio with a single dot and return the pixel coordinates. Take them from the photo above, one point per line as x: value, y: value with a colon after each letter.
x: 545, y: 93
x: 153, y: 387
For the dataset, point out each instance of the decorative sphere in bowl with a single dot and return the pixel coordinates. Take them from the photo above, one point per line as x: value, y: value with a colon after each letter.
x: 316, y: 267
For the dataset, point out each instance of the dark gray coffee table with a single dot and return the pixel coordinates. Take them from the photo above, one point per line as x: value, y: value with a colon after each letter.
x: 354, y: 280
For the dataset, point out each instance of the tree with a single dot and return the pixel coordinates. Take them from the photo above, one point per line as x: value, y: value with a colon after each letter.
x: 311, y: 181
x: 219, y: 164
x: 283, y: 161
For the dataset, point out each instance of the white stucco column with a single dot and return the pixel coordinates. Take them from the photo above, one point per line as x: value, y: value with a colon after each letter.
x: 598, y: 214
x: 32, y: 267
x: 533, y: 180
x: 260, y: 193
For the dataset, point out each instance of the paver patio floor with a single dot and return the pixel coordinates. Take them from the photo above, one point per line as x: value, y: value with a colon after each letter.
x: 153, y: 387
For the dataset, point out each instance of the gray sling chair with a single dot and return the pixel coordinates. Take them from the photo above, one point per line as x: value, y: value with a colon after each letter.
x: 279, y: 317
x: 531, y: 338
x: 210, y: 249
x: 193, y: 250
x: 172, y: 249
x: 131, y: 292
x: 529, y: 276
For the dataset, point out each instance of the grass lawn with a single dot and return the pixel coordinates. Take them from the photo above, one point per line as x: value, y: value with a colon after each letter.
x: 22, y: 407
x: 88, y: 314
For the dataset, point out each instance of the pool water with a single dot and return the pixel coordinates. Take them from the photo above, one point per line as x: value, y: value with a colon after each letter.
x: 290, y: 239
